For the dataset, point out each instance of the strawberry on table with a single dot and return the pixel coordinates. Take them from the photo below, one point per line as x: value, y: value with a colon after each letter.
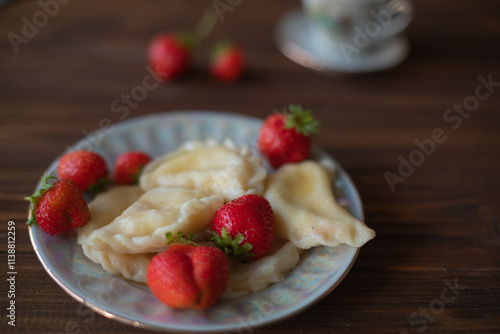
x: 59, y: 207
x: 129, y: 166
x: 169, y: 55
x: 228, y: 62
x: 244, y: 227
x: 188, y: 275
x: 284, y: 137
x: 87, y: 169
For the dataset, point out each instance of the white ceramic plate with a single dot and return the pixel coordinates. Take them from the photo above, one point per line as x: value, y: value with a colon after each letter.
x: 319, y: 271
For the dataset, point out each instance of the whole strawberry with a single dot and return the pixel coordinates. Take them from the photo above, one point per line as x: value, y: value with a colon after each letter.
x: 227, y: 62
x: 87, y: 169
x: 128, y: 166
x: 59, y: 207
x: 244, y: 227
x: 284, y: 137
x: 169, y: 55
x: 188, y: 276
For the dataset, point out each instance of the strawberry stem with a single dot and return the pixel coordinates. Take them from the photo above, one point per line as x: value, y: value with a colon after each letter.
x: 301, y: 120
x: 205, y: 25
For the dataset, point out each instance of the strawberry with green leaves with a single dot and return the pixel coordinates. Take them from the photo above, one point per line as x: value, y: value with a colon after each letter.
x: 87, y: 169
x: 244, y: 227
x: 169, y: 55
x: 129, y: 165
x: 58, y: 207
x: 285, y: 137
x: 227, y: 62
x: 187, y: 275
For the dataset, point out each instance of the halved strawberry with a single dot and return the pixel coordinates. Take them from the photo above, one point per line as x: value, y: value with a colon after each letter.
x: 187, y: 275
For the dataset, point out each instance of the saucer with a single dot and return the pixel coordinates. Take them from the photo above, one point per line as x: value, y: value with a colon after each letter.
x: 293, y: 38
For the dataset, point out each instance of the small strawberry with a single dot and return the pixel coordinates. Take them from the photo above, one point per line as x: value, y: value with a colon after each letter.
x: 284, y: 137
x: 244, y: 227
x: 188, y: 275
x: 227, y: 63
x: 129, y: 166
x: 59, y: 207
x: 88, y: 169
x: 169, y: 55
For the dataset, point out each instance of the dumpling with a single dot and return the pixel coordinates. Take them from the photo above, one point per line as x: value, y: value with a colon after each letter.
x: 257, y: 275
x: 215, y: 169
x: 141, y: 228
x: 306, y: 211
x: 130, y: 266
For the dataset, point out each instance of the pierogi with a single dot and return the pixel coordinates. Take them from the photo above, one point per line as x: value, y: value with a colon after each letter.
x: 182, y: 190
x: 103, y: 210
x: 215, y: 169
x: 141, y: 228
x: 306, y: 211
x: 255, y: 276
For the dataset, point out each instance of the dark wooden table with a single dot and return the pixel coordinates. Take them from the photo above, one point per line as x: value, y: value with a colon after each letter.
x: 434, y: 266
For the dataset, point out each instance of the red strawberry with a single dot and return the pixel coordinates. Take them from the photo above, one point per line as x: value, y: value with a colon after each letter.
x: 188, y: 276
x: 168, y: 55
x: 244, y: 227
x: 284, y: 137
x: 227, y: 63
x: 88, y: 169
x: 129, y: 165
x: 59, y: 207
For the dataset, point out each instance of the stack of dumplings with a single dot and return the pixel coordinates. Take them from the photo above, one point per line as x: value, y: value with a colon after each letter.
x: 182, y: 190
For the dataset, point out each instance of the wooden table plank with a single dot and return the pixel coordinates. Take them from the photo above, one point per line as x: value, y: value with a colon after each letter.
x: 438, y: 229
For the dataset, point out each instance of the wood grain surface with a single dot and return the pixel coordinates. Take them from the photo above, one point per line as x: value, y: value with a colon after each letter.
x: 434, y: 266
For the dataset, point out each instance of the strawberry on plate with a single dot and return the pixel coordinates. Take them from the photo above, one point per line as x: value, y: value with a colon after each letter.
x: 59, y: 207
x: 169, y: 55
x: 87, y: 169
x: 284, y: 137
x: 227, y: 62
x: 129, y: 165
x: 188, y: 275
x: 244, y: 227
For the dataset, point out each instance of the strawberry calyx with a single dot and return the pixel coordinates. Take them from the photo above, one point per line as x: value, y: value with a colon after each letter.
x: 99, y: 185
x: 301, y: 120
x: 232, y: 246
x: 180, y: 238
x: 187, y: 40
x: 35, y: 198
x: 220, y: 48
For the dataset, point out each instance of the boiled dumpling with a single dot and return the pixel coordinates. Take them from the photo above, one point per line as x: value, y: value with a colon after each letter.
x: 130, y: 266
x: 141, y: 228
x: 257, y: 275
x: 215, y: 169
x: 306, y: 211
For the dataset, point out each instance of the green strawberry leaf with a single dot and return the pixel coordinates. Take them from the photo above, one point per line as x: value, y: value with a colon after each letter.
x: 35, y: 198
x: 219, y: 48
x: 180, y: 238
x: 99, y: 186
x: 301, y: 120
x: 232, y: 246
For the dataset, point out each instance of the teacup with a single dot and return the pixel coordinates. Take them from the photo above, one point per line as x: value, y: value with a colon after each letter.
x: 355, y: 26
